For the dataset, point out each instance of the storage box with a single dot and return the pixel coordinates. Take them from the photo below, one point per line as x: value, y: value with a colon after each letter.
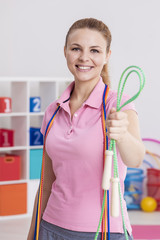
x: 6, y: 137
x: 35, y: 163
x: 35, y: 104
x: 36, y: 137
x: 10, y: 167
x: 153, y: 185
x: 13, y: 199
x: 133, y: 187
x: 5, y: 105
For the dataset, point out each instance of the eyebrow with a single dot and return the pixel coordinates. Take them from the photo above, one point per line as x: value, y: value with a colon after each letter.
x: 76, y: 44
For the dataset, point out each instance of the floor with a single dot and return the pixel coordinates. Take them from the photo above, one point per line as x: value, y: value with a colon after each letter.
x: 145, y: 226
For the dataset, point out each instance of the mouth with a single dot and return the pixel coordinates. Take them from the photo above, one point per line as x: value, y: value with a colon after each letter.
x: 83, y: 68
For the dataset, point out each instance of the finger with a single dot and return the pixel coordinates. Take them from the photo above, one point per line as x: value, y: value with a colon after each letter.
x: 117, y: 123
x: 113, y: 109
x: 113, y: 136
x: 117, y: 116
x: 116, y: 130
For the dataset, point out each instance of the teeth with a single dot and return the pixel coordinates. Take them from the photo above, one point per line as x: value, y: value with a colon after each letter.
x: 84, y: 68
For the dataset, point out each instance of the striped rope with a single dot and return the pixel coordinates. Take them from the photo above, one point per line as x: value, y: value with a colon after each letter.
x: 39, y: 203
x: 105, y: 203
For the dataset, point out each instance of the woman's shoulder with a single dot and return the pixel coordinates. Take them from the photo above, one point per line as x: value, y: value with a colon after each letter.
x: 48, y: 114
x: 51, y: 107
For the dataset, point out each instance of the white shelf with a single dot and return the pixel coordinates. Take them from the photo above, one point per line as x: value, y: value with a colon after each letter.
x: 20, y: 89
x: 36, y: 114
x: 36, y: 147
x: 144, y: 218
x: 21, y: 114
x: 13, y: 114
x: 13, y: 182
x: 12, y: 217
x: 15, y: 148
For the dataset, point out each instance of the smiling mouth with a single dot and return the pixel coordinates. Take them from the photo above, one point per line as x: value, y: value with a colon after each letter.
x: 83, y: 67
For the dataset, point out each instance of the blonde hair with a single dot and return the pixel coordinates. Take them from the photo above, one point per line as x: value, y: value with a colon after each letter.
x: 94, y: 24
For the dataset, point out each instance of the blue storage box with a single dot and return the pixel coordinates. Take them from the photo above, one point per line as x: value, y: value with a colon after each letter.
x: 133, y: 188
x: 35, y: 163
x: 36, y: 137
x: 35, y: 104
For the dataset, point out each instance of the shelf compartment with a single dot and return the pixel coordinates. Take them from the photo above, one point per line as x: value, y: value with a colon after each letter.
x: 19, y: 96
x: 45, y: 90
x: 35, y: 163
x: 19, y: 125
x: 36, y: 121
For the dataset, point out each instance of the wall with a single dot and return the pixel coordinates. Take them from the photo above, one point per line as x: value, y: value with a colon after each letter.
x: 33, y: 33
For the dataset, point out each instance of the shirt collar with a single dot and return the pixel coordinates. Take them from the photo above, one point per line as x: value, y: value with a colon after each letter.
x: 94, y: 100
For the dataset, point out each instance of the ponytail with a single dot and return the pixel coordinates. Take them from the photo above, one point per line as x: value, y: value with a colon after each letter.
x: 105, y: 75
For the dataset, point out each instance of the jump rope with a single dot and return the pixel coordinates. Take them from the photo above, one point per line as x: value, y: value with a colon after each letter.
x: 108, y: 153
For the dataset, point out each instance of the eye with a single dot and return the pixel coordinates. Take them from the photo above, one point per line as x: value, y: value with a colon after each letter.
x: 75, y: 49
x: 94, y: 51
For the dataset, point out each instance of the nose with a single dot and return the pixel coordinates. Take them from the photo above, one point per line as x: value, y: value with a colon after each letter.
x: 84, y: 56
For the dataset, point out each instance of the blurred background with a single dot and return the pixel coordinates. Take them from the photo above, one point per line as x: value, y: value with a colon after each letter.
x: 32, y: 36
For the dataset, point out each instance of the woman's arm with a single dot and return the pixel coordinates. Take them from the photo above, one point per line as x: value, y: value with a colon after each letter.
x: 124, y: 128
x: 48, y: 180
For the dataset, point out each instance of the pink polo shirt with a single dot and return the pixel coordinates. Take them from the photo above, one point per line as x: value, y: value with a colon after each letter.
x: 76, y: 150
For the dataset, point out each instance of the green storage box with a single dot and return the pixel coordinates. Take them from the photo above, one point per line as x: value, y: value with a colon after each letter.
x: 35, y: 163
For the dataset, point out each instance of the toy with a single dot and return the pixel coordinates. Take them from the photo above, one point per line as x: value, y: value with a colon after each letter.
x: 148, y: 204
x: 5, y: 105
x: 6, y: 137
x: 35, y: 104
x: 36, y: 137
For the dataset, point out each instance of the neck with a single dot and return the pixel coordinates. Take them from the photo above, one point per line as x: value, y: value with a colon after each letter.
x: 82, y: 90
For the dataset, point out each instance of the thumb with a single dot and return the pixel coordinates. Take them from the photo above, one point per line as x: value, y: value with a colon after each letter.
x: 113, y: 109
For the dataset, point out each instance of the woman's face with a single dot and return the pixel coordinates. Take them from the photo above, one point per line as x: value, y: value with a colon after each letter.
x: 86, y: 54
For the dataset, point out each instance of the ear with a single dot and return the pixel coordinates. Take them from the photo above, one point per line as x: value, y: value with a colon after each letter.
x: 107, y: 57
x: 65, y: 51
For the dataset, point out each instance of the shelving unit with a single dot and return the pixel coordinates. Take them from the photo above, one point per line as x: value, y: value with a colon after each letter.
x: 21, y: 119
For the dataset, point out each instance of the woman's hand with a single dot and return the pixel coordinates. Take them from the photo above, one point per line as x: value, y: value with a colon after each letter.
x: 124, y: 128
x: 117, y: 125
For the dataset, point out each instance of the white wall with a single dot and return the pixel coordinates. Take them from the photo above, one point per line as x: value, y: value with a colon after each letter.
x: 32, y: 34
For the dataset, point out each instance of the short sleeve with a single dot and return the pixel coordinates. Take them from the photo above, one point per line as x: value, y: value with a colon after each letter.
x: 44, y: 125
x: 47, y: 116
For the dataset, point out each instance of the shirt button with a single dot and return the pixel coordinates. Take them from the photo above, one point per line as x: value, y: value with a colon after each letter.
x: 75, y: 115
x: 70, y: 131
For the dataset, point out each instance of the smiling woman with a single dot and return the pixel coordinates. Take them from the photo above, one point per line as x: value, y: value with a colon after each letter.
x: 75, y: 143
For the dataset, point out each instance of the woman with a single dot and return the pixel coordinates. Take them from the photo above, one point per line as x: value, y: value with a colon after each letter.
x: 72, y: 194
